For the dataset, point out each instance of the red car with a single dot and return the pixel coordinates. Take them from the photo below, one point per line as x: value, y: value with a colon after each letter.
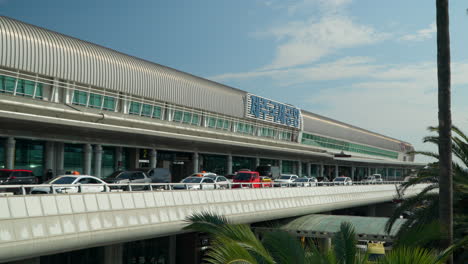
x: 247, y: 177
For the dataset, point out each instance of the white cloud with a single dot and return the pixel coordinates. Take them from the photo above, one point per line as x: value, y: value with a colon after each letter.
x: 420, y: 35
x: 308, y: 41
x: 325, y: 6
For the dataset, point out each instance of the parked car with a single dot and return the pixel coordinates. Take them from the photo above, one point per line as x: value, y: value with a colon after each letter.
x: 323, y: 181
x: 246, y: 177
x: 305, y: 182
x: 267, y: 181
x: 342, y: 180
x: 17, y: 177
x: 157, y: 175
x: 72, y: 184
x: 374, y: 178
x: 195, y: 183
x: 285, y: 180
x: 125, y: 177
x: 221, y: 181
x: 203, y: 174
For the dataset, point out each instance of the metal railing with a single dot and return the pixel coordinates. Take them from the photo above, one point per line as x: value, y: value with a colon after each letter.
x: 32, y: 189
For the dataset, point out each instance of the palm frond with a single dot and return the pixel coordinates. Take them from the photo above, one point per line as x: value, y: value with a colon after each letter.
x: 449, y: 251
x: 223, y: 251
x: 409, y: 255
x: 344, y: 244
x: 284, y: 248
x: 419, y: 235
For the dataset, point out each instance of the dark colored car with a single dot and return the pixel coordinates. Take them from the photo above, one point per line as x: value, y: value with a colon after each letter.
x: 17, y: 177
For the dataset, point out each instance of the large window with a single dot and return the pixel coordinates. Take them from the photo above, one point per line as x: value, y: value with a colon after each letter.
x: 288, y: 166
x: 73, y: 157
x: 331, y: 143
x: 137, y: 108
x: 29, y: 155
x: 20, y: 87
x: 94, y: 100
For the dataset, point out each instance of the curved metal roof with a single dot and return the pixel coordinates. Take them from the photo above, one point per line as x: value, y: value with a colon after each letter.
x: 33, y: 49
x: 369, y: 226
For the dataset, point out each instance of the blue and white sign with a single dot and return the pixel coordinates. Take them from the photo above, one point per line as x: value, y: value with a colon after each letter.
x: 275, y: 112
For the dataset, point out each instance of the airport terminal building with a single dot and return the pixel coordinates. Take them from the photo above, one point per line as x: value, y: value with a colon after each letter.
x: 67, y: 104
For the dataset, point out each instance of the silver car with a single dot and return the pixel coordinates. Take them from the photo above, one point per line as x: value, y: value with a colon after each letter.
x: 285, y: 180
x: 72, y: 184
x: 196, y: 183
x: 126, y: 177
x: 221, y: 181
x: 305, y: 182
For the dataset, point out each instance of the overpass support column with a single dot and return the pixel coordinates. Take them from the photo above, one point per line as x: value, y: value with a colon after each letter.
x: 299, y: 168
x: 196, y: 162
x: 153, y: 158
x: 118, y: 158
x: 49, y: 157
x: 371, y: 210
x: 308, y: 173
x: 87, y: 152
x: 325, y: 244
x: 172, y: 249
x: 10, y: 153
x: 59, y: 157
x: 97, y: 160
x: 229, y: 164
x: 113, y: 254
x: 337, y: 170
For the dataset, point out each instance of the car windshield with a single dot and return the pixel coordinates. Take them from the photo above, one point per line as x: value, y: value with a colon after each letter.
x: 285, y: 177
x: 63, y: 180
x: 340, y: 179
x: 192, y: 180
x: 302, y: 180
x: 243, y: 176
x: 5, y: 174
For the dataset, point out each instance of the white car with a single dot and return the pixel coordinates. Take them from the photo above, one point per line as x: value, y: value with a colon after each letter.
x: 221, y: 181
x: 342, y: 181
x: 195, y: 183
x: 305, y: 182
x: 72, y: 184
x: 374, y: 178
x: 285, y: 180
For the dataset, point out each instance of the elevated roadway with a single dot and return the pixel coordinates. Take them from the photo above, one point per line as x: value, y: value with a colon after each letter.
x: 35, y: 225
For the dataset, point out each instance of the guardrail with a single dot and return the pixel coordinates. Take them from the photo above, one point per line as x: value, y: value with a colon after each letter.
x: 32, y: 189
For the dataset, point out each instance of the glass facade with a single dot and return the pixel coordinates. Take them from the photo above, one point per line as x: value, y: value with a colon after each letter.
x: 108, y: 161
x: 29, y: 155
x: 73, y: 158
x: 214, y: 163
x: 242, y: 163
x: 20, y: 87
x: 2, y: 153
x: 288, y: 167
x: 94, y: 100
x: 271, y: 162
x: 325, y: 142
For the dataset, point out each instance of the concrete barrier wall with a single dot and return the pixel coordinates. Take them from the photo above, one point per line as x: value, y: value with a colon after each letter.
x: 36, y: 225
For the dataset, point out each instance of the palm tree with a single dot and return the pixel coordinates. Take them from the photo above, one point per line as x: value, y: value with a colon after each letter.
x: 237, y: 244
x: 425, y: 205
x: 445, y: 123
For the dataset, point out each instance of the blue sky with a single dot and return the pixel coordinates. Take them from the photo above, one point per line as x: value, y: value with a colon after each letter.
x: 365, y: 62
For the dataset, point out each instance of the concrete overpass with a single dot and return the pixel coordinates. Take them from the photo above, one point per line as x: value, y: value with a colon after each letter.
x: 35, y: 225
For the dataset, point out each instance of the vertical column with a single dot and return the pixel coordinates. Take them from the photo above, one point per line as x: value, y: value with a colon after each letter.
x: 352, y: 172
x: 97, y: 160
x: 299, y: 168
x: 368, y: 171
x: 309, y: 172
x: 337, y: 170
x: 153, y: 158
x: 113, y: 254
x: 280, y: 166
x: 59, y: 158
x: 229, y: 164
x: 386, y: 175
x: 257, y: 162
x: 322, y: 170
x: 325, y: 244
x: 172, y: 248
x: 118, y: 158
x: 87, y: 153
x: 50, y: 156
x: 394, y: 174
x: 196, y: 162
x: 10, y: 153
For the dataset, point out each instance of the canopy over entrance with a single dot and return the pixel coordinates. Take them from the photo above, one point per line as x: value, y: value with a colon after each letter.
x: 325, y: 226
